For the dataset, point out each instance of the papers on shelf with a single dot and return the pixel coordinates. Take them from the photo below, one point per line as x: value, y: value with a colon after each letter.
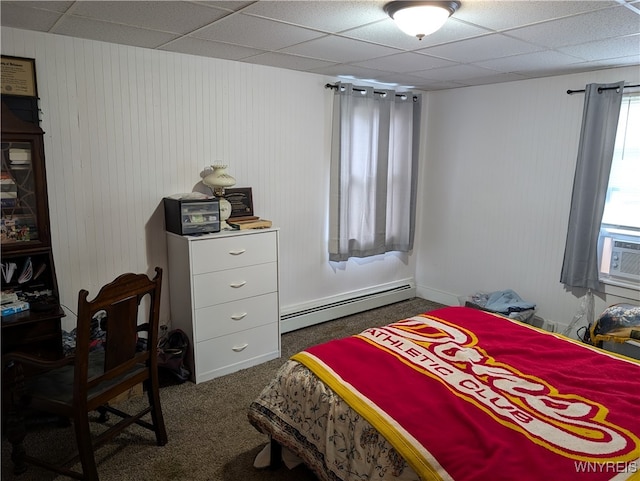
x: 19, y: 156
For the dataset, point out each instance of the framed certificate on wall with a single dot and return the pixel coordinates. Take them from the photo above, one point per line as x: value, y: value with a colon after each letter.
x: 19, y: 76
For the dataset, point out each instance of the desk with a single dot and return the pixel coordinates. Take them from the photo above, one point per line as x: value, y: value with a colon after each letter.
x: 34, y: 332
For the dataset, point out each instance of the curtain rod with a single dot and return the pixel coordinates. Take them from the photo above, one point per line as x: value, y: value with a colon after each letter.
x: 600, y: 89
x: 335, y: 87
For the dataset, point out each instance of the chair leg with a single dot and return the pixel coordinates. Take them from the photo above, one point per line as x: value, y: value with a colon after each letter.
x: 104, y: 415
x: 156, y: 410
x: 15, y: 434
x: 85, y: 446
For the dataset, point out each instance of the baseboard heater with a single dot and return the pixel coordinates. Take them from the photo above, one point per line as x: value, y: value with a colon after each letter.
x: 334, y: 308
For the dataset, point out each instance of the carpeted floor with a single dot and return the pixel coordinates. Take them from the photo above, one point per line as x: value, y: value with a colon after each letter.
x: 210, y: 438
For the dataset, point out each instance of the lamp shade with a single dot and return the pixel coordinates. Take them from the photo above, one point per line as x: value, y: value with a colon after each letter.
x: 419, y: 19
x: 218, y: 179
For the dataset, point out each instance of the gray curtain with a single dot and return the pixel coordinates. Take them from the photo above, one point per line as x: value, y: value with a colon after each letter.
x: 595, y: 153
x: 374, y: 158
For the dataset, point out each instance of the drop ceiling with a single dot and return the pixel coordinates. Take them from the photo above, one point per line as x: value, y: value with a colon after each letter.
x: 485, y: 41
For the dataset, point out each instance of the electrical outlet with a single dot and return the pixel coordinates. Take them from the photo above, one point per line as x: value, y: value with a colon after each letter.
x: 550, y: 326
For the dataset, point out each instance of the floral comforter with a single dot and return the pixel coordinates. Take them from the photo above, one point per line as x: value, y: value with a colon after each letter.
x: 307, y: 417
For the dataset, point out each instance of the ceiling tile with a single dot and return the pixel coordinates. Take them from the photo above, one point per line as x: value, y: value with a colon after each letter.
x: 610, y: 22
x: 500, y: 15
x: 353, y: 71
x: 573, y: 68
x: 53, y: 6
x: 405, y: 62
x: 520, y: 63
x: 256, y: 32
x: 339, y: 49
x: 494, y: 79
x: 438, y: 85
x: 206, y: 48
x: 294, y: 62
x: 111, y: 32
x: 19, y: 16
x: 604, y: 49
x: 481, y: 48
x: 405, y: 80
x: 618, y: 62
x: 456, y: 73
x: 328, y: 16
x: 231, y: 5
x: 167, y: 16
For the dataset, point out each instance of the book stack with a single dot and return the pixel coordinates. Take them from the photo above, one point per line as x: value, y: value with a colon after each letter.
x: 20, y: 158
x: 11, y: 304
x: 249, y: 222
x: 14, y: 307
x: 7, y: 297
x: 8, y: 190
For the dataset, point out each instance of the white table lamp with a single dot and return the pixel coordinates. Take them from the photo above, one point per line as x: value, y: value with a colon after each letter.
x: 218, y: 180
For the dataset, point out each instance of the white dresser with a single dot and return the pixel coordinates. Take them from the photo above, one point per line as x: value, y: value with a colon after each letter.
x: 223, y: 292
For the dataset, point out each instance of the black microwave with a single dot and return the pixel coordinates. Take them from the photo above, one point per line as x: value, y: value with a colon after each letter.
x: 191, y: 216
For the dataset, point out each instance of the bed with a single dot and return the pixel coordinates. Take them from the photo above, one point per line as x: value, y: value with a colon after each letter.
x: 456, y: 394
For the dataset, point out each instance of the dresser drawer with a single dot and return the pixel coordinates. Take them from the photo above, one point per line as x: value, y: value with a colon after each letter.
x: 210, y: 255
x: 221, y: 354
x: 223, y: 319
x: 225, y: 286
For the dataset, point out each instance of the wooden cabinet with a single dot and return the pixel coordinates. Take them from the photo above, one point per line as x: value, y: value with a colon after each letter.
x: 28, y: 271
x: 25, y: 210
x: 223, y: 290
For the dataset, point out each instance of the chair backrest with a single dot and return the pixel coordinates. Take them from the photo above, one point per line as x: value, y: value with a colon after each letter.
x: 124, y: 357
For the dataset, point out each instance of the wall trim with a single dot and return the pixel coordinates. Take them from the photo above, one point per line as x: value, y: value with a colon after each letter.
x: 435, y: 295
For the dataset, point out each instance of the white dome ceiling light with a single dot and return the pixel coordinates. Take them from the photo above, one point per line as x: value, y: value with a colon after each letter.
x: 419, y: 19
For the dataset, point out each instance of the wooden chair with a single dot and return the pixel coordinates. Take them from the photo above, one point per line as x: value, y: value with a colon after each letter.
x: 86, y: 381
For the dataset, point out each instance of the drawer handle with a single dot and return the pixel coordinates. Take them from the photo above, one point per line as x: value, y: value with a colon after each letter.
x: 237, y: 317
x: 237, y: 252
x: 240, y: 348
x: 236, y: 285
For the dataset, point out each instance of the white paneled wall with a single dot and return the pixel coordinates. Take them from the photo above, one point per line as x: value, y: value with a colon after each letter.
x: 127, y: 126
x: 496, y: 190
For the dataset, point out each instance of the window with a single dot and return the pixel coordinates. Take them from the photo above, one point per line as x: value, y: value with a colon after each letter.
x: 620, y: 227
x: 373, y: 165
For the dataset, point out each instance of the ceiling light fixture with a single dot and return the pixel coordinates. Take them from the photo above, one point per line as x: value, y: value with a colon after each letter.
x: 420, y: 18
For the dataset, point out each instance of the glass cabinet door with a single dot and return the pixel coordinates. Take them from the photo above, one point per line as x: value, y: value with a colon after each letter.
x: 19, y: 194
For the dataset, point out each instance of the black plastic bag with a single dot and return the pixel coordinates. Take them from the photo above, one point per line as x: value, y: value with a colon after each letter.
x: 172, y: 352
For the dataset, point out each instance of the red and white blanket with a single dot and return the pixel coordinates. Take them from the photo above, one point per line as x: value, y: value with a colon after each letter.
x: 466, y: 395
